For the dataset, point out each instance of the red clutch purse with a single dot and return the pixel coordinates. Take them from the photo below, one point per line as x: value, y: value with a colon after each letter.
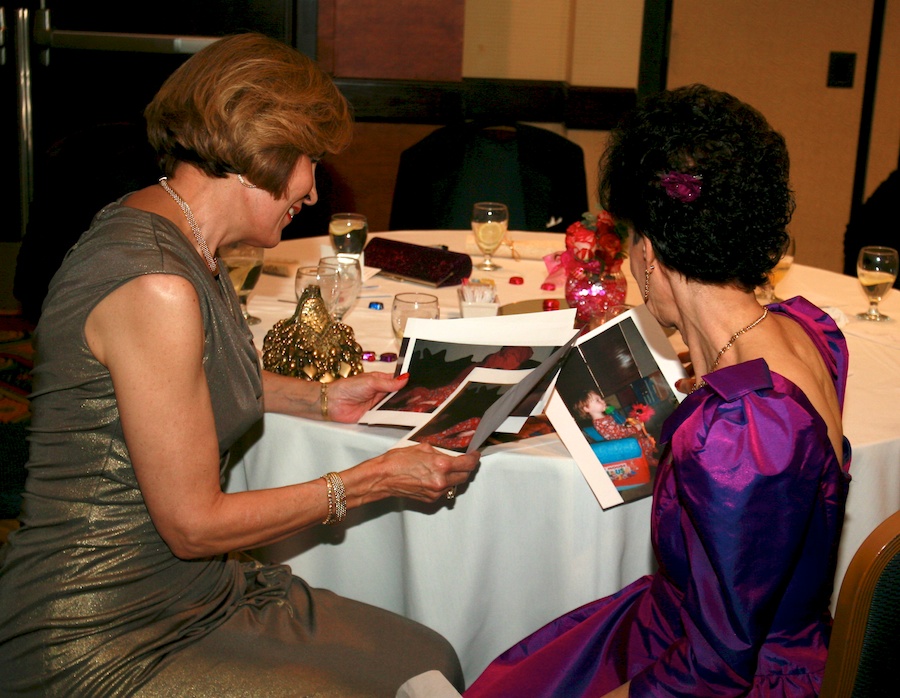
x: 432, y: 266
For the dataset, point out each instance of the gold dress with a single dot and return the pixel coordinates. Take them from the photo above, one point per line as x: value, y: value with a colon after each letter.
x: 92, y: 601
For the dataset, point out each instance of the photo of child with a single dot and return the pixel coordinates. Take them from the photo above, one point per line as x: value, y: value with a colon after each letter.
x: 619, y: 399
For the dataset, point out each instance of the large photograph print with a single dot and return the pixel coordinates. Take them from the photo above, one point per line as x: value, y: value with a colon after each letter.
x: 612, y: 395
x: 454, y: 424
x: 440, y: 355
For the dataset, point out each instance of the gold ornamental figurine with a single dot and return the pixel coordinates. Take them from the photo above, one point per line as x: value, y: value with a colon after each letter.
x: 311, y: 344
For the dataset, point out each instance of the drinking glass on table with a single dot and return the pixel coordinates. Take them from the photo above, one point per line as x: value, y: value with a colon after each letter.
x: 876, y: 269
x: 407, y: 305
x: 326, y: 279
x: 783, y: 266
x: 348, y: 233
x: 244, y: 265
x: 766, y: 292
x: 489, y: 223
x: 349, y: 281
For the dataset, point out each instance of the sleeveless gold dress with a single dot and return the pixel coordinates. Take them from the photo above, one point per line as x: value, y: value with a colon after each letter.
x: 92, y: 601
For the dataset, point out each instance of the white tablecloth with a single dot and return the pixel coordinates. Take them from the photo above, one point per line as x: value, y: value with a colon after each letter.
x: 525, y: 541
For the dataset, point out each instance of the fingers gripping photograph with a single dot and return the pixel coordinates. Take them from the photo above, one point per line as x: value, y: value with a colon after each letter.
x: 482, y: 349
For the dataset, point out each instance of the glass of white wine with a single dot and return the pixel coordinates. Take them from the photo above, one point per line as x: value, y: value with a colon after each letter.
x: 783, y: 266
x: 244, y: 264
x: 489, y: 222
x: 876, y: 269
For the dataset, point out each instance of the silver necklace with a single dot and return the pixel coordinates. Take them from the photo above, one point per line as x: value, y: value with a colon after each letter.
x: 730, y: 344
x: 195, y: 229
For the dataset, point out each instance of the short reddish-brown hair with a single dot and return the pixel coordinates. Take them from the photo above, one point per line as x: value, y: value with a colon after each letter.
x: 247, y: 104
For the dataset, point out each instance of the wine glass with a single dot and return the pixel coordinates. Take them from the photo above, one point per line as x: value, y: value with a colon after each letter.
x: 407, y: 305
x: 349, y: 281
x: 489, y: 222
x: 348, y: 233
x: 876, y: 269
x: 244, y: 265
x: 326, y: 279
x: 783, y: 266
x: 766, y: 293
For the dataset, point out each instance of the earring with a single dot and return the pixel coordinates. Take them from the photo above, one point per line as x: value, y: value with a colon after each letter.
x: 245, y: 183
x: 647, y: 272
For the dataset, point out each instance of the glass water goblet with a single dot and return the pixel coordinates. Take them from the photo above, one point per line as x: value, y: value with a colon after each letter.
x: 407, y: 305
x: 348, y: 233
x: 876, y: 269
x: 349, y: 281
x: 244, y: 265
x: 489, y: 222
x: 327, y: 281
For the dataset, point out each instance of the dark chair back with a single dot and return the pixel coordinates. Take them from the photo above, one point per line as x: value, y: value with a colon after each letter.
x: 865, y: 641
x: 538, y: 174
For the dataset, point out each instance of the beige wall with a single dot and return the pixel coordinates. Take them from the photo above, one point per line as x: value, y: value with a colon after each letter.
x: 770, y: 53
x: 774, y: 55
x: 589, y: 43
x: 584, y: 42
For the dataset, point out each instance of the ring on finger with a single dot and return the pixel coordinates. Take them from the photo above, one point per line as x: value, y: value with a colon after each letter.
x: 451, y: 493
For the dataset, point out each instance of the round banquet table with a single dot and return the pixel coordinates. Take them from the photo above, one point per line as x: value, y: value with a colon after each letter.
x: 525, y: 540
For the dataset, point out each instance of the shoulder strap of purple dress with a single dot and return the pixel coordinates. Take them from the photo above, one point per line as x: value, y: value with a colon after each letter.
x: 824, y: 333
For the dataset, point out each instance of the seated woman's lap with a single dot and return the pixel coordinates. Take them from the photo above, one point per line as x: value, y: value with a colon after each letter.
x: 313, y: 642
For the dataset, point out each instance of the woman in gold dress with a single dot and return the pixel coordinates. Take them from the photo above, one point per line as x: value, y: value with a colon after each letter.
x: 119, y: 580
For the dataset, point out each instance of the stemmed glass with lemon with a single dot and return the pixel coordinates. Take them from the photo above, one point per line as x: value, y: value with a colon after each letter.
x: 489, y: 222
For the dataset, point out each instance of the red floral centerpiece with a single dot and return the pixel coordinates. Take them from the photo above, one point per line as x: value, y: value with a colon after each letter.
x: 593, y: 263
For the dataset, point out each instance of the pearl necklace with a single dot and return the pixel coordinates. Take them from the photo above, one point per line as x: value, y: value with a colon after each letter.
x: 195, y: 229
x: 730, y: 344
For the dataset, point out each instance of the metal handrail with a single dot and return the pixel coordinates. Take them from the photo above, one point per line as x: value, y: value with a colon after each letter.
x: 47, y: 37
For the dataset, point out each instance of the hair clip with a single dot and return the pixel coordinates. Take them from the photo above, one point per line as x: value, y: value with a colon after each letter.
x: 245, y: 182
x: 681, y: 186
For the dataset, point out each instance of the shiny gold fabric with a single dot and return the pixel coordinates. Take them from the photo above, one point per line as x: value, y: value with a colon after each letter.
x: 92, y: 601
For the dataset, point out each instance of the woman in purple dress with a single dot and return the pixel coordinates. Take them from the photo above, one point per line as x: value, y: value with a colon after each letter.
x: 749, y: 497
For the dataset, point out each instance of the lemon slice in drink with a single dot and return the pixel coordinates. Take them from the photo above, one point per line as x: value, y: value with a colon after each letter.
x: 344, y: 226
x: 490, y: 234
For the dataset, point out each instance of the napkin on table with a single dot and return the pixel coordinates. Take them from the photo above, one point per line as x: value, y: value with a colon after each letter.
x: 538, y: 248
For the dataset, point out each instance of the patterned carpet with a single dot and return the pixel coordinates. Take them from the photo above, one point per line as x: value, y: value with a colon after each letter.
x: 16, y: 362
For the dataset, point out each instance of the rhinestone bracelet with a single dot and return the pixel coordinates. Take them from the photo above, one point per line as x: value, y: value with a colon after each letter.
x: 337, y: 501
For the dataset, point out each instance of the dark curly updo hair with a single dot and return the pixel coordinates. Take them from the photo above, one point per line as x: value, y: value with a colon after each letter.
x: 705, y: 178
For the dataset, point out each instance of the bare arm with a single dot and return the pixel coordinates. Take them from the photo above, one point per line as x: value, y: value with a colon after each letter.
x: 348, y: 398
x: 155, y: 360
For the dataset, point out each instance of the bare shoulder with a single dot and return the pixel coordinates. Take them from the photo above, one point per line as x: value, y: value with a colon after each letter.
x: 152, y: 308
x: 790, y: 352
x: 150, y: 294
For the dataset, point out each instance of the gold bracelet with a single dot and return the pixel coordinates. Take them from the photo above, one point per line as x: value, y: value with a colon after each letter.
x: 337, y: 500
x: 329, y: 491
x: 323, y: 399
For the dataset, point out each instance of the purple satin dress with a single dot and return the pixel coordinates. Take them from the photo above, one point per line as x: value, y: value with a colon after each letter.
x: 747, y: 512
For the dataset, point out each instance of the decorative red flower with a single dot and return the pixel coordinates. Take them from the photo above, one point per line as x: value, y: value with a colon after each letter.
x: 581, y: 240
x: 608, y: 246
x: 641, y: 412
x: 594, y: 245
